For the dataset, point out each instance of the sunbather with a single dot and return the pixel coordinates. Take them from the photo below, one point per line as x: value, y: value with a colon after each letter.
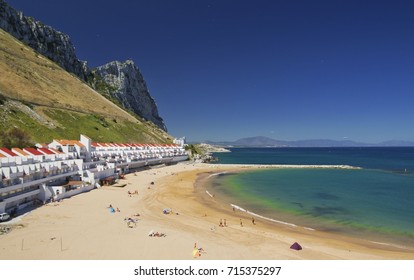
x: 157, y: 234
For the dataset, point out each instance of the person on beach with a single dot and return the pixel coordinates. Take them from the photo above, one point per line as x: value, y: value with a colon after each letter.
x: 225, y: 222
x: 253, y: 221
x: 241, y: 222
x: 196, y: 252
x: 221, y: 223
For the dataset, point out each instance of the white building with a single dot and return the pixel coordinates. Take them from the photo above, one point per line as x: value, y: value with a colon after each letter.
x: 26, y: 175
x: 69, y: 167
x: 180, y: 141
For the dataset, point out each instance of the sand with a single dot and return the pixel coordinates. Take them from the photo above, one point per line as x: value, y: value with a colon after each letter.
x: 83, y: 228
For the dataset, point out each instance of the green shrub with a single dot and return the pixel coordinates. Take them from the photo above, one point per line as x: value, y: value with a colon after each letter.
x: 15, y: 138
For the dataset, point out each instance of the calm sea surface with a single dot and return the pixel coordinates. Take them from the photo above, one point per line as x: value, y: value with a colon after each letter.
x: 375, y: 202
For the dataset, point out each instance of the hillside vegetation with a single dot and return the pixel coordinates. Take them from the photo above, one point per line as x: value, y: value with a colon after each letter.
x: 39, y: 97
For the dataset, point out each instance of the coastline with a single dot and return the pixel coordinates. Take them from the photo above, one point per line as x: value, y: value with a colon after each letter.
x: 254, y: 207
x: 82, y: 227
x: 303, y: 231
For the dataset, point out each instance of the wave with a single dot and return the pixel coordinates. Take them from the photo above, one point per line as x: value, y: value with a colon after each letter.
x: 389, y: 244
x: 306, y: 228
x: 217, y: 174
x: 267, y: 218
x: 278, y: 166
x: 207, y: 192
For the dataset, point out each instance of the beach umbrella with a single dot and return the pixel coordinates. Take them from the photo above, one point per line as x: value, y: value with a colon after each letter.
x: 296, y: 246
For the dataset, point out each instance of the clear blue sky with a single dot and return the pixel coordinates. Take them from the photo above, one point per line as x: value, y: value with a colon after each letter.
x: 290, y: 70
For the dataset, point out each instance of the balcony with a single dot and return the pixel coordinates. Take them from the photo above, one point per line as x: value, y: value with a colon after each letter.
x: 38, y: 178
x: 21, y: 196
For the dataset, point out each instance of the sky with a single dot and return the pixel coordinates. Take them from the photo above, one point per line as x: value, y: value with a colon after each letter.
x: 223, y: 70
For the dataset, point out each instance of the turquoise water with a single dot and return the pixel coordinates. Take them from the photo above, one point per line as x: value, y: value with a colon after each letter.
x: 375, y: 201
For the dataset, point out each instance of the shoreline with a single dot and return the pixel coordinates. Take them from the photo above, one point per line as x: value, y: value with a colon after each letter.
x: 380, y: 238
x: 223, y: 207
x: 241, y: 167
x: 82, y: 227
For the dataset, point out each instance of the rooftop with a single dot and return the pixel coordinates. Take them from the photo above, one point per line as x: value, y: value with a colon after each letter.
x: 56, y: 151
x: 7, y: 152
x: 32, y: 151
x: 20, y: 152
x: 46, y: 151
x: 70, y: 143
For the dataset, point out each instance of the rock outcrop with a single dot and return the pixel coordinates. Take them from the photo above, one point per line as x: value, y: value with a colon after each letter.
x: 126, y: 84
x: 129, y: 88
x: 44, y: 39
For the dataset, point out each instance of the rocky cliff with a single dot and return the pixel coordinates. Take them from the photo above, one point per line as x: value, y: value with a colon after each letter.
x: 126, y: 83
x: 44, y: 39
x: 128, y: 87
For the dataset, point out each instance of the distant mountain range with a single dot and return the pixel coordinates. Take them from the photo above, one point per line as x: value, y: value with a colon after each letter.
x: 261, y: 141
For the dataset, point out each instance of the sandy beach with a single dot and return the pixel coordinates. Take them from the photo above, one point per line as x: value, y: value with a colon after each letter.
x: 84, y: 228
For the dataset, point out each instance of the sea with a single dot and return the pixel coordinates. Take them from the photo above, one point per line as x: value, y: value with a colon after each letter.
x: 374, y: 201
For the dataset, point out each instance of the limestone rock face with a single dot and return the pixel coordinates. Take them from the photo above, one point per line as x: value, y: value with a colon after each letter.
x: 44, y: 39
x: 127, y: 84
x: 130, y: 89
